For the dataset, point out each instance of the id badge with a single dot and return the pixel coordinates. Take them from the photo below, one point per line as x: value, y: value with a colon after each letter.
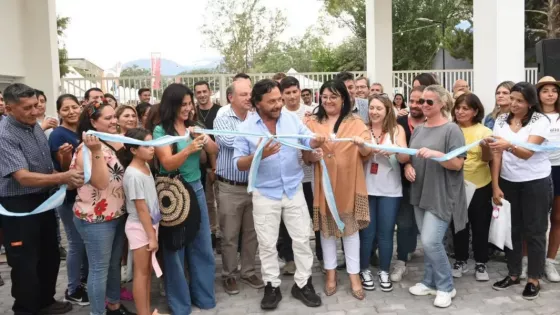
x: 373, y: 169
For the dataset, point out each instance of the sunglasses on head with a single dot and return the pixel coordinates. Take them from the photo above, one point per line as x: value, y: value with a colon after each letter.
x: 429, y: 102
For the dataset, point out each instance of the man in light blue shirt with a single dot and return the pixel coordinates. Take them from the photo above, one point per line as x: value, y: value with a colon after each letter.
x: 278, y: 191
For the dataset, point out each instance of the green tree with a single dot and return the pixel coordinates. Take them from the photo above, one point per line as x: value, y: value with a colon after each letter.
x: 415, y: 43
x: 240, y: 30
x: 61, y: 25
x: 135, y: 77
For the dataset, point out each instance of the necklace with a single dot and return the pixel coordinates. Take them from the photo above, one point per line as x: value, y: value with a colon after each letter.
x: 203, y: 116
x: 378, y: 139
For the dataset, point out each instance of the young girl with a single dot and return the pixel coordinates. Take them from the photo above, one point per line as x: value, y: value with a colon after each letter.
x: 143, y: 215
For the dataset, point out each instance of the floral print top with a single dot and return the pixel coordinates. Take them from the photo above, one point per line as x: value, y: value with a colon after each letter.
x: 94, y: 205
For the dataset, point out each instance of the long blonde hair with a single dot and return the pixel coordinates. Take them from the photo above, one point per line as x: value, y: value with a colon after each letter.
x: 506, y: 84
x: 389, y: 124
x: 444, y: 97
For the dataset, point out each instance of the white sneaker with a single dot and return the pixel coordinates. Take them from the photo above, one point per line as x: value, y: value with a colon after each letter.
x: 443, y: 299
x: 459, y: 268
x: 367, y: 280
x: 420, y: 289
x: 399, y: 270
x: 550, y: 271
x: 480, y: 272
x: 384, y: 282
x: 523, y: 268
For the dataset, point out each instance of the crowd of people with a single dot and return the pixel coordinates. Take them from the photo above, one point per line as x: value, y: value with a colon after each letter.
x: 169, y: 207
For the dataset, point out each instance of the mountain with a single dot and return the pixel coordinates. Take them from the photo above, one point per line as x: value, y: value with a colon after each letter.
x: 170, y: 67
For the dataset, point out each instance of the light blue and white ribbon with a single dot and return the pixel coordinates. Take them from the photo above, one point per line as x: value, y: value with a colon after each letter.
x: 257, y: 157
x: 57, y: 199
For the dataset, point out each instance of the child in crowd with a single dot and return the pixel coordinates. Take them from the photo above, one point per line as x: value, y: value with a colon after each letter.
x: 143, y: 216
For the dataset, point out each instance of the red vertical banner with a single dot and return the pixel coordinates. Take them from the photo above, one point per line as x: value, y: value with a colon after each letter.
x: 156, y: 70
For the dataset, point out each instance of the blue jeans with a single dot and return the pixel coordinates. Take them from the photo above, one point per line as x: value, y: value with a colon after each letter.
x: 437, y: 270
x: 104, y: 246
x: 201, y: 264
x: 383, y: 214
x: 76, y: 257
x: 407, y: 231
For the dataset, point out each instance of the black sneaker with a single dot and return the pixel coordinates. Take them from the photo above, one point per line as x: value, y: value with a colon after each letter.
x: 506, y: 283
x: 272, y: 296
x: 531, y: 291
x: 63, y: 253
x: 79, y: 297
x: 120, y: 311
x: 307, y: 294
x: 56, y: 308
x: 341, y: 267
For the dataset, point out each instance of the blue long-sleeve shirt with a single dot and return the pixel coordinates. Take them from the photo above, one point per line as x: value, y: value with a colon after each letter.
x: 280, y: 173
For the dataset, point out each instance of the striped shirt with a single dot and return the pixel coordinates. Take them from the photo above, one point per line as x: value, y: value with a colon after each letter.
x: 361, y: 108
x: 23, y: 147
x: 307, y: 169
x: 225, y: 164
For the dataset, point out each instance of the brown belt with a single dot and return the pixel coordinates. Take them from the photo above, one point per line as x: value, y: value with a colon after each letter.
x: 230, y: 182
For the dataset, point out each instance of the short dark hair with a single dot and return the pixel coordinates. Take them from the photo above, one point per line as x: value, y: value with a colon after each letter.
x: 279, y: 76
x: 86, y: 96
x: 288, y: 82
x: 307, y: 90
x: 261, y: 88
x: 425, y: 79
x: 241, y: 75
x: 142, y: 90
x: 344, y: 76
x: 40, y: 93
x: 14, y: 92
x: 363, y: 78
x: 198, y: 83
x: 473, y: 102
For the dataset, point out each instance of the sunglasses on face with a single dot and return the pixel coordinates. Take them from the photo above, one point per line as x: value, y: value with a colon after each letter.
x: 429, y: 102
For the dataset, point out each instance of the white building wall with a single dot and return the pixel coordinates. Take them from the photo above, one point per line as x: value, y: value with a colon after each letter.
x: 28, y: 47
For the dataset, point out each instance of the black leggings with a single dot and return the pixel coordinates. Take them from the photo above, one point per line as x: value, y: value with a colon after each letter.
x: 480, y: 215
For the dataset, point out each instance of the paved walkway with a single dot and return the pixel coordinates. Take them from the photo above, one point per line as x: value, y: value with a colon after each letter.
x: 472, y: 297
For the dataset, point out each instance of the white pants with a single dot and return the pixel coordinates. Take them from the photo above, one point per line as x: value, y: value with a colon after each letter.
x: 266, y: 215
x: 351, y: 252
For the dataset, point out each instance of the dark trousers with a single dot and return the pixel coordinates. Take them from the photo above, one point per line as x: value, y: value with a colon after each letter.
x: 285, y: 241
x: 529, y: 221
x: 32, y: 251
x: 480, y: 215
x: 407, y: 230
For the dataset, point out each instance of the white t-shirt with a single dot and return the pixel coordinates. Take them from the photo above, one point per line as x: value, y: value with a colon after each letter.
x: 554, y: 136
x: 515, y: 169
x: 307, y: 170
x: 387, y: 182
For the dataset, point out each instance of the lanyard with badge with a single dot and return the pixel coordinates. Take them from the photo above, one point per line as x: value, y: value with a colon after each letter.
x: 374, y: 167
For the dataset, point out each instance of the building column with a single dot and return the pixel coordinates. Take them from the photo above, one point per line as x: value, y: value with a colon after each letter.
x: 379, y: 30
x: 499, y: 46
x: 40, y: 49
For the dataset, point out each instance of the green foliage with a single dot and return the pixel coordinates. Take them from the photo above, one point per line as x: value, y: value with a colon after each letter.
x: 61, y: 25
x: 240, y: 30
x: 135, y: 73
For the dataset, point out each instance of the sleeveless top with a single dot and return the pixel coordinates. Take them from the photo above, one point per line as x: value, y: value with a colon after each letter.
x: 94, y: 205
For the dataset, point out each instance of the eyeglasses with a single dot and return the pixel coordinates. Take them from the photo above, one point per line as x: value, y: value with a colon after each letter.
x: 332, y: 98
x: 429, y: 102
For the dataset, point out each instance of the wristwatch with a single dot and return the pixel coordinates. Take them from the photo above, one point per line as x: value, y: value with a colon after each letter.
x: 511, y: 148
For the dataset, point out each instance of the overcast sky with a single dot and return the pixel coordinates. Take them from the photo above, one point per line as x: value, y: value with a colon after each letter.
x: 108, y: 31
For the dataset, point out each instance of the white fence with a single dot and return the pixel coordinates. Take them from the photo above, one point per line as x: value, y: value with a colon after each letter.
x: 126, y: 88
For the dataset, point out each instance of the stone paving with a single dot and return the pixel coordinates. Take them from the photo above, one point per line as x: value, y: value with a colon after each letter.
x: 472, y: 297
